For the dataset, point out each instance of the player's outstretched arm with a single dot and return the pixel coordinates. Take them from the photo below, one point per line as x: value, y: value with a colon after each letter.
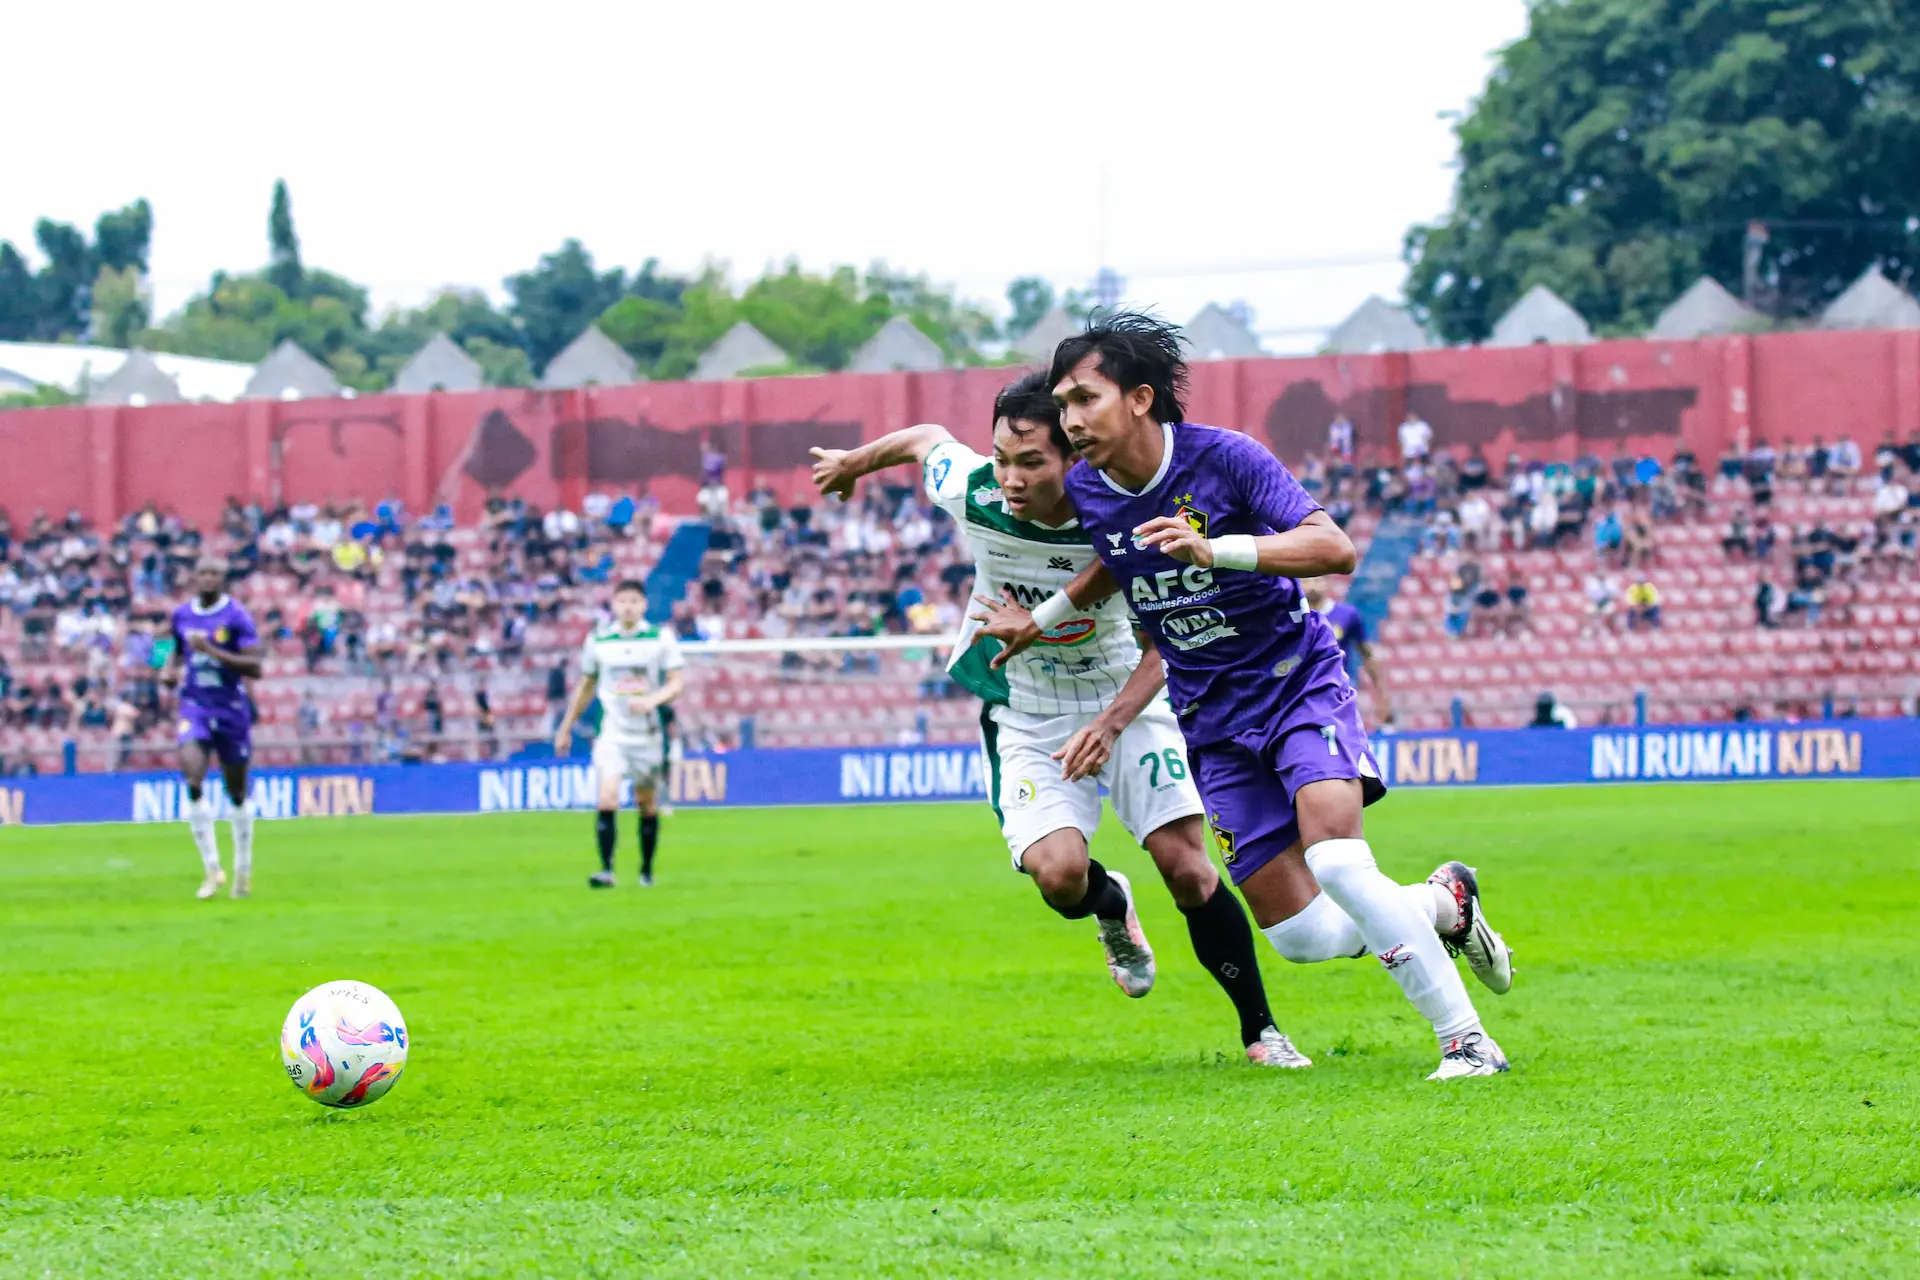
x: 835, y: 470
x: 1311, y: 548
x: 576, y: 707
x: 1088, y: 750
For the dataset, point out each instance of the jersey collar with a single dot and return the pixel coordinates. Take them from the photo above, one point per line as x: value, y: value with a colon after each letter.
x: 1166, y: 464
x: 218, y: 605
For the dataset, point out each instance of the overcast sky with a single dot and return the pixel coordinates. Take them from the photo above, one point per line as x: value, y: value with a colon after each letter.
x: 1203, y: 150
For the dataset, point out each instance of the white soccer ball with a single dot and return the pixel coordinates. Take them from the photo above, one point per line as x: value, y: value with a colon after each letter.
x: 344, y: 1044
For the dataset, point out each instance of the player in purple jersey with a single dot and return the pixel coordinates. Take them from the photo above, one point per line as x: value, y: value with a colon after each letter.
x: 216, y: 650
x: 1350, y: 633
x: 1205, y: 533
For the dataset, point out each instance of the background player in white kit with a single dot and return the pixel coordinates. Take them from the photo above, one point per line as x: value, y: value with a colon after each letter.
x: 1080, y: 709
x: 635, y: 670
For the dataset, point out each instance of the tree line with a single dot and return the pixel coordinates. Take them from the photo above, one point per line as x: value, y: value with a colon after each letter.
x: 93, y: 290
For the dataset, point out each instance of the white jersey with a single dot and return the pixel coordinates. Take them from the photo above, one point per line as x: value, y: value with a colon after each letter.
x: 626, y: 665
x: 1079, y: 665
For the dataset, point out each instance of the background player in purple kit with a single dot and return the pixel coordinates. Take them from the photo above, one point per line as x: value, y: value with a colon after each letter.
x: 1205, y: 532
x: 1356, y: 646
x: 216, y: 650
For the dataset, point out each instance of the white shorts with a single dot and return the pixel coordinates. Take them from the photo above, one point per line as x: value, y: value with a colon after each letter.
x: 1146, y: 776
x: 641, y: 759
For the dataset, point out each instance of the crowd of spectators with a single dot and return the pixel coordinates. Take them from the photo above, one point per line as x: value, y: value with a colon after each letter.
x: 94, y: 602
x: 1615, y: 508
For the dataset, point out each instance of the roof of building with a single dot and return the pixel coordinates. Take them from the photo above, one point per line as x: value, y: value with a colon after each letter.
x: 1216, y: 333
x: 1048, y: 332
x: 899, y: 347
x: 1377, y: 325
x: 592, y: 359
x: 290, y: 373
x: 138, y: 381
x: 78, y: 368
x: 1872, y: 302
x: 1705, y: 309
x: 1541, y: 315
x: 440, y: 365
x: 740, y: 348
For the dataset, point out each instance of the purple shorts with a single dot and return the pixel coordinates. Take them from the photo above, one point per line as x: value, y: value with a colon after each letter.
x: 228, y: 731
x: 1249, y: 781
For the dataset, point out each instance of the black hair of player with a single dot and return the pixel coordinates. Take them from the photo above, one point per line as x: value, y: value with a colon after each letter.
x: 630, y: 584
x: 1029, y: 399
x: 1135, y: 350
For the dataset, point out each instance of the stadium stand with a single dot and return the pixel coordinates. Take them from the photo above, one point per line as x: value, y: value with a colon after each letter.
x: 1782, y: 585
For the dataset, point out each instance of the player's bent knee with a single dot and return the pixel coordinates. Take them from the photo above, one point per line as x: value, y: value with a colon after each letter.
x: 1179, y: 851
x: 1329, y: 810
x: 1057, y: 863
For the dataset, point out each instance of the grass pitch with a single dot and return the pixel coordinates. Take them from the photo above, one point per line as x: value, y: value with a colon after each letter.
x: 851, y: 1042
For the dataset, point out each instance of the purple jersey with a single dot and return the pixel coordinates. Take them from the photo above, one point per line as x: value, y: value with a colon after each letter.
x: 1240, y: 647
x: 1349, y: 632
x: 206, y: 681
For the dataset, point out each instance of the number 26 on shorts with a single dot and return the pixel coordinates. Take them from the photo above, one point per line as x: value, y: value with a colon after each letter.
x: 1176, y: 767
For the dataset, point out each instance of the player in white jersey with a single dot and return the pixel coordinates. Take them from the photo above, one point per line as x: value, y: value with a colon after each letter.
x: 1083, y: 708
x: 634, y: 668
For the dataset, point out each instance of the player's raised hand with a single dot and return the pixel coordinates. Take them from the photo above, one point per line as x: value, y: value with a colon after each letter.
x: 1007, y: 621
x: 831, y: 475
x: 563, y: 741
x: 1173, y: 535
x: 1087, y: 751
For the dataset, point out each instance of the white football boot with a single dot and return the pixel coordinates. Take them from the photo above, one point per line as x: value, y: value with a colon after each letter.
x: 1129, y: 958
x: 210, y: 886
x: 1274, y: 1050
x: 243, y: 884
x: 1488, y: 955
x: 1473, y: 1054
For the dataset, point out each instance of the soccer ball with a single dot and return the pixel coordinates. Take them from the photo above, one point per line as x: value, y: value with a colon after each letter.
x: 344, y: 1044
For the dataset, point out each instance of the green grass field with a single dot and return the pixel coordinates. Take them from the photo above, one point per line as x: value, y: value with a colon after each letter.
x: 851, y: 1042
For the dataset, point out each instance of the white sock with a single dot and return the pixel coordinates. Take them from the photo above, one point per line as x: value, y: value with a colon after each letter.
x: 243, y: 841
x: 200, y: 822
x: 1396, y: 930
x: 1322, y: 931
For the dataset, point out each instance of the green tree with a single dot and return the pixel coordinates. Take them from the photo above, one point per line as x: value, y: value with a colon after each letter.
x: 817, y: 320
x: 559, y: 298
x: 283, y: 264
x: 124, y: 237
x: 1622, y: 147
x: 119, y: 301
x: 1030, y: 297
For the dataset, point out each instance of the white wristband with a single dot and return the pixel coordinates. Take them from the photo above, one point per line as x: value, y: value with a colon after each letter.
x: 1235, y: 551
x: 1053, y: 611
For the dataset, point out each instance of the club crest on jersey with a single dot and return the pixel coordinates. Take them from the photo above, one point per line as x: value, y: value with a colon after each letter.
x: 1224, y: 838
x: 989, y: 496
x: 1196, y: 518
